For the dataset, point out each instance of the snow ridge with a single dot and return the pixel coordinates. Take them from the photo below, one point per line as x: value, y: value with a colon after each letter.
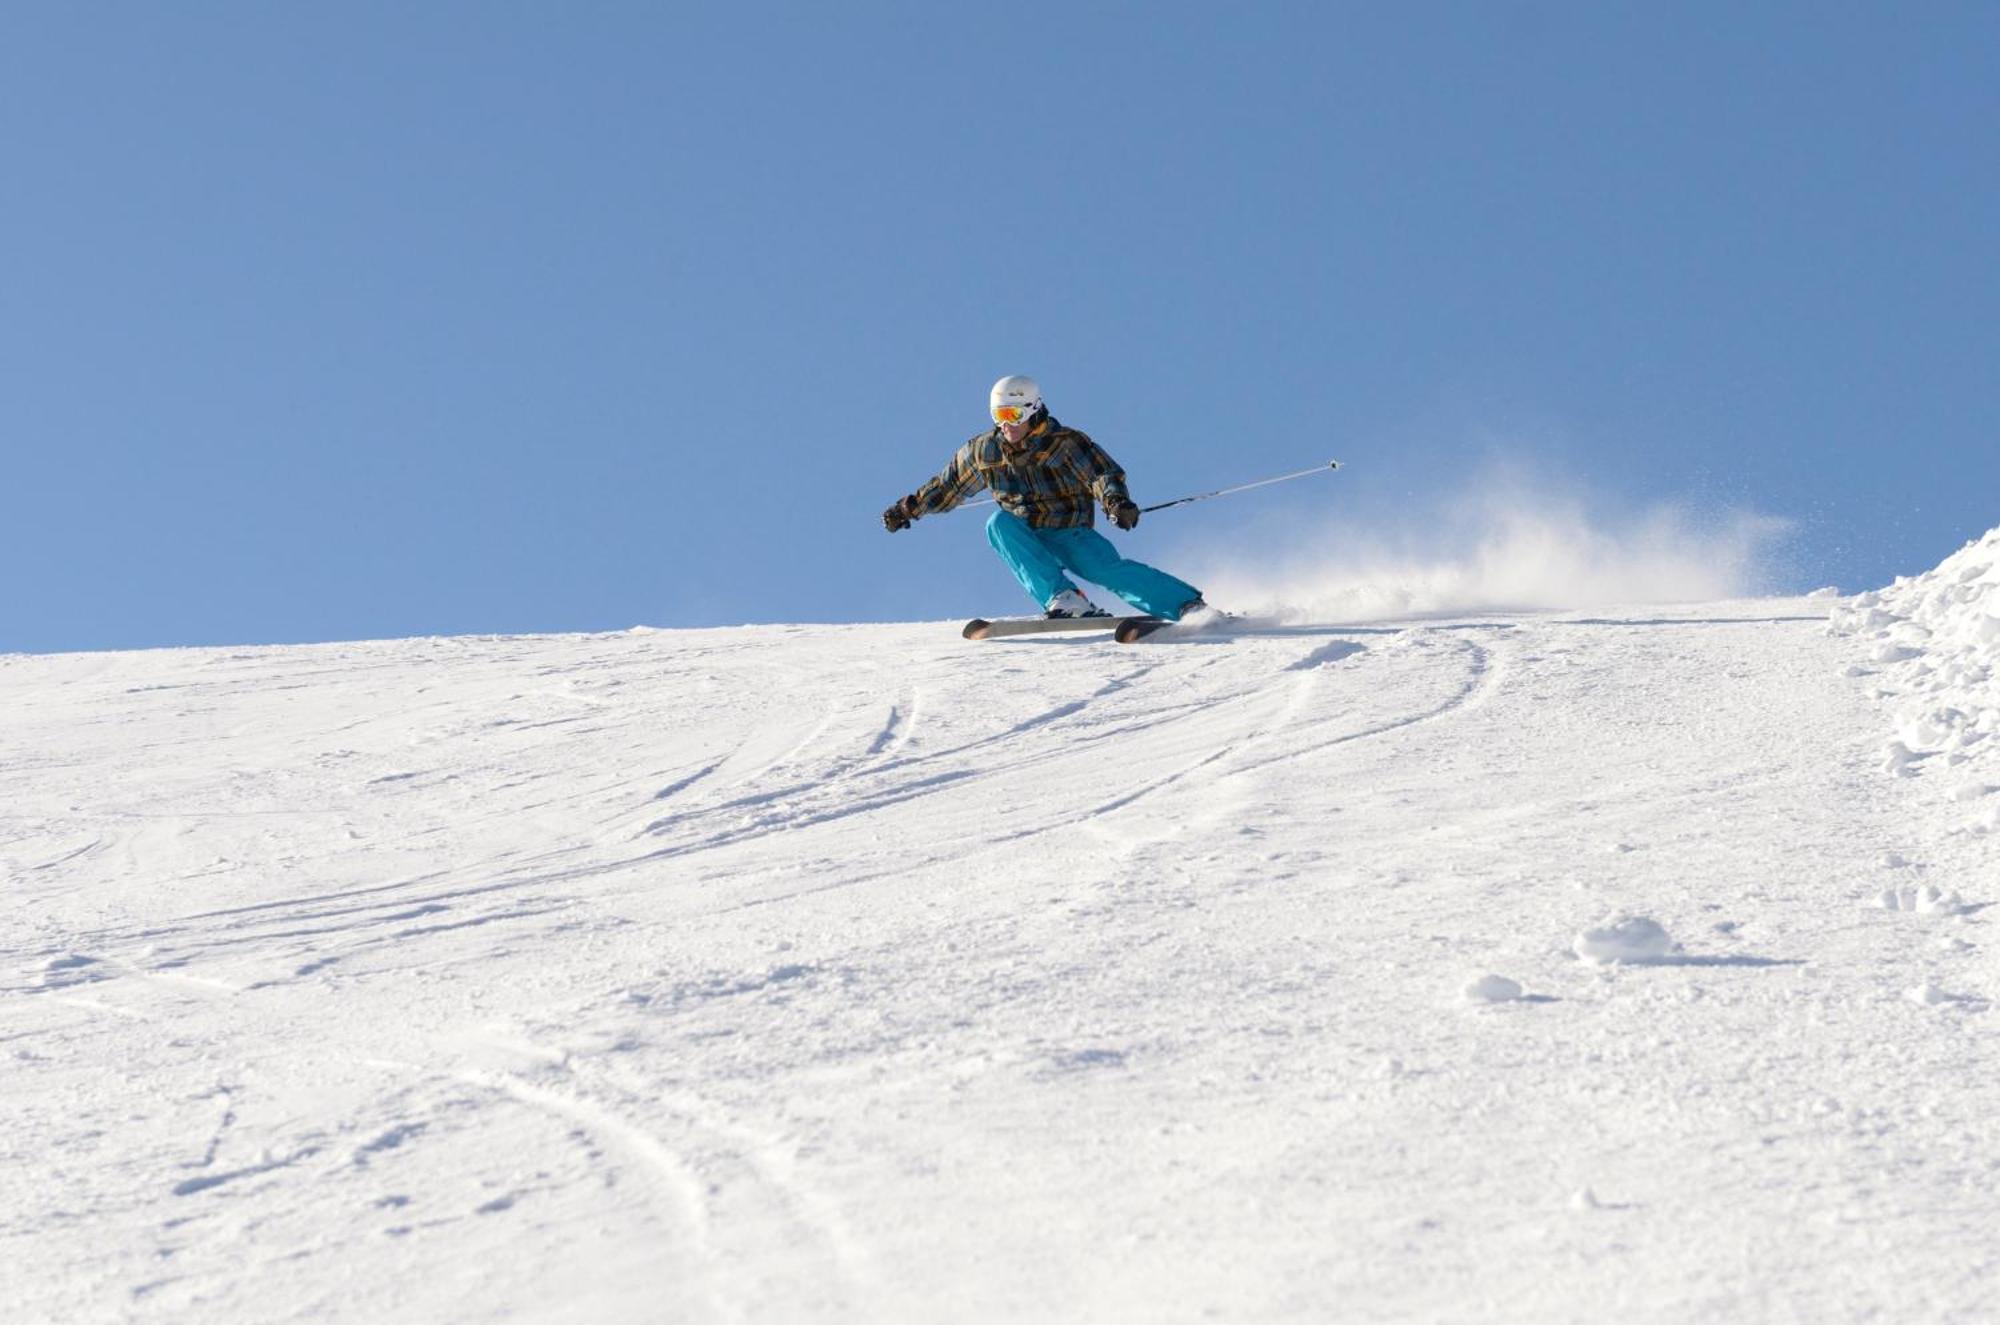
x: 1930, y: 647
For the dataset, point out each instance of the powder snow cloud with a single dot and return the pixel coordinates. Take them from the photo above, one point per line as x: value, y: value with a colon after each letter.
x: 1515, y: 540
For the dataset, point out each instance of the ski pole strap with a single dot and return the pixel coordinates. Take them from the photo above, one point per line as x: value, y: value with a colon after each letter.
x: 1244, y: 487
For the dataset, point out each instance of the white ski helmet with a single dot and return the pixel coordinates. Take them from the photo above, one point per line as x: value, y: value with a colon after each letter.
x: 1015, y: 393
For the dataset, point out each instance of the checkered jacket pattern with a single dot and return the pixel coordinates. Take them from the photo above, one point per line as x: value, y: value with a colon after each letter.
x: 1055, y: 479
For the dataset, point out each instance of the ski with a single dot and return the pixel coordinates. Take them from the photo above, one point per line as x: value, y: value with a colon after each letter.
x: 980, y: 628
x: 1133, y: 629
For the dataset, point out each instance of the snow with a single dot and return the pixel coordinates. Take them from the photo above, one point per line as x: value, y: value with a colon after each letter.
x: 1622, y: 938
x: 1491, y: 988
x: 1932, y: 643
x: 1929, y: 995
x: 868, y: 974
x: 1926, y: 900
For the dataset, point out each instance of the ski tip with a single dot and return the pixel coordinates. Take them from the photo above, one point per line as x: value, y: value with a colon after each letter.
x: 977, y: 628
x: 1133, y: 629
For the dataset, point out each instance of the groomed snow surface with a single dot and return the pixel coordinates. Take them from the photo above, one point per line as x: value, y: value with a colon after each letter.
x: 1523, y: 967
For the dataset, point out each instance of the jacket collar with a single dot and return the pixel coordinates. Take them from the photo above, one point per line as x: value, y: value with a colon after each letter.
x: 1034, y: 441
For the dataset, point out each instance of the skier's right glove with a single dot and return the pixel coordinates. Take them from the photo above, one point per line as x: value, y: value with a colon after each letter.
x: 899, y: 516
x: 1125, y: 514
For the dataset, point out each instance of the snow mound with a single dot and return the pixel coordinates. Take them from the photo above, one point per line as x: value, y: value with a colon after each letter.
x: 1929, y: 995
x: 1492, y: 989
x: 1927, y: 900
x: 1934, y: 639
x: 1624, y: 938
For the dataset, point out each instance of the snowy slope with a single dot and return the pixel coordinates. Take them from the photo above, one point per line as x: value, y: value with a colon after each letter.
x: 865, y: 974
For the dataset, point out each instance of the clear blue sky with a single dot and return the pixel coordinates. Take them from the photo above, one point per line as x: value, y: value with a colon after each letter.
x: 362, y: 319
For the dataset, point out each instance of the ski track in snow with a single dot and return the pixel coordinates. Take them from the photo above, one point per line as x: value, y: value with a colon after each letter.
x: 827, y: 974
x: 717, y: 1165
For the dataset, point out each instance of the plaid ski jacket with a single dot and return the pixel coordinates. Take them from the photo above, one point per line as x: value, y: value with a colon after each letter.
x: 1055, y: 479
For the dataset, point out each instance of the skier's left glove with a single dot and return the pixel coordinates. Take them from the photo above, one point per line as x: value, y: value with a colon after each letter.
x: 1125, y: 514
x: 899, y: 516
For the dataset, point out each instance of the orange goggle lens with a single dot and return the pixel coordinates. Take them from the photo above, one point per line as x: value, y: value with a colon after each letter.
x: 1010, y: 413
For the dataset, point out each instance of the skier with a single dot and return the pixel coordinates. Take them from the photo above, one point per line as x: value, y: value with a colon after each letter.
x: 1047, y: 481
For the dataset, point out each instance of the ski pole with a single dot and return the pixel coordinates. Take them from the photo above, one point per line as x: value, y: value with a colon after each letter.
x: 1202, y: 496
x: 1244, y: 487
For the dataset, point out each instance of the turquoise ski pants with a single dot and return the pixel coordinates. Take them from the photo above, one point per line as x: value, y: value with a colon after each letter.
x: 1038, y: 558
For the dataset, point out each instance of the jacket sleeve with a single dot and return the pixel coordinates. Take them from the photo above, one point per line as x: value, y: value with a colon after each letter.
x: 958, y: 480
x: 1098, y: 473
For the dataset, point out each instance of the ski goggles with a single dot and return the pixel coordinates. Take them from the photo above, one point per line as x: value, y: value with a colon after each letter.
x: 1013, y: 413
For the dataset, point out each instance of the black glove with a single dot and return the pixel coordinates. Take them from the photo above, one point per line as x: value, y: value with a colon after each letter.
x: 899, y: 516
x: 1125, y: 514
